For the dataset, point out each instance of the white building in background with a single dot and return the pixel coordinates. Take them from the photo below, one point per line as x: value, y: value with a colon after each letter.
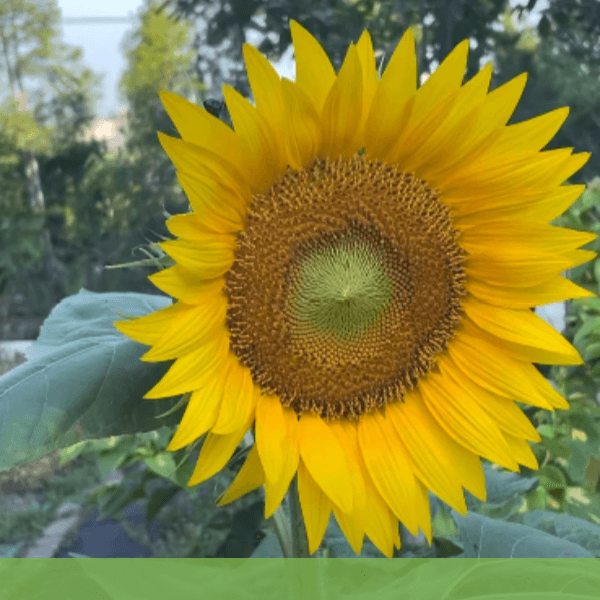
x: 108, y: 130
x: 555, y: 314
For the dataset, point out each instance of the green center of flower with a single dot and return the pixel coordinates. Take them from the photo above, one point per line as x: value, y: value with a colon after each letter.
x: 345, y: 287
x: 341, y: 290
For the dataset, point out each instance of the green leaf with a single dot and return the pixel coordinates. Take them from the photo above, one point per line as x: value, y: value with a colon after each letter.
x: 269, y: 547
x: 566, y: 527
x: 107, y: 462
x: 83, y: 380
x: 591, y: 352
x: 552, y: 477
x: 556, y: 447
x: 483, y: 537
x: 576, y: 467
x: 590, y: 324
x: 158, y: 499
x: 162, y: 464
x: 502, y: 486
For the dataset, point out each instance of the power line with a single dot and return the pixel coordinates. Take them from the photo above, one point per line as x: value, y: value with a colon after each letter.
x: 96, y: 20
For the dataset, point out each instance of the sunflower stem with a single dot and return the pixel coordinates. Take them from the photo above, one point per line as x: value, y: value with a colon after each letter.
x: 299, y: 539
x: 281, y: 524
x: 307, y: 579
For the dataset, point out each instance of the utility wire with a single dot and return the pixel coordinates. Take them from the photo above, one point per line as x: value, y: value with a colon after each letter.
x: 96, y: 20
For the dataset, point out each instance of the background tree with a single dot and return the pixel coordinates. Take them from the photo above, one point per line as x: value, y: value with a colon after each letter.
x: 45, y: 99
x: 131, y: 189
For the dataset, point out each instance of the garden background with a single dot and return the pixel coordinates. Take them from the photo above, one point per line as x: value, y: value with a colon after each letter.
x: 81, y: 192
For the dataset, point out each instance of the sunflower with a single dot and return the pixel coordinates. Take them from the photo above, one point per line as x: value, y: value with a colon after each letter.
x: 354, y: 282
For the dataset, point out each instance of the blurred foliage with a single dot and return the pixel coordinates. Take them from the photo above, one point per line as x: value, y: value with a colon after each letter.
x: 100, y: 200
x: 159, y: 57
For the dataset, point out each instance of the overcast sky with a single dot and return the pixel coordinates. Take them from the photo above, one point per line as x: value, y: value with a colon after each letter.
x: 101, y: 42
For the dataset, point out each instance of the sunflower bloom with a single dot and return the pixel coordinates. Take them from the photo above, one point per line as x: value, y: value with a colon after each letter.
x: 354, y: 282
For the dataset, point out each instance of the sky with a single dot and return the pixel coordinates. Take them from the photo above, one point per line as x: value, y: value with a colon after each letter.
x: 101, y: 43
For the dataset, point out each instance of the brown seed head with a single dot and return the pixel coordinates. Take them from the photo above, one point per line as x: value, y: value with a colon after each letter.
x: 346, y: 285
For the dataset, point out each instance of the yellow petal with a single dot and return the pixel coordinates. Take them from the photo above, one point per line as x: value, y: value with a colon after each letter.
x: 378, y: 521
x: 314, y: 72
x: 316, y: 508
x: 346, y: 434
x: 351, y: 525
x: 537, y: 207
x: 366, y: 56
x: 266, y: 88
x: 189, y: 226
x: 435, y: 150
x: 464, y: 420
x: 194, y: 327
x: 575, y: 162
x: 391, y: 470
x: 201, y: 164
x: 332, y: 475
x: 199, y: 127
x: 504, y: 412
x: 553, y: 205
x: 446, y: 79
x: 380, y: 524
x: 275, y: 490
x: 342, y: 111
x: 496, y: 371
x: 522, y: 451
x: 527, y: 136
x: 249, y: 477
x: 432, y: 102
x: 443, y: 465
x: 481, y: 128
x: 216, y: 452
x: 264, y: 81
x: 303, y: 126
x: 200, y: 414
x: 239, y: 399
x: 578, y: 257
x: 270, y: 434
x: 523, y: 328
x: 185, y: 285
x: 149, y: 328
x: 209, y: 258
x: 512, y: 268
x: 192, y: 370
x: 484, y: 238
x: 392, y: 101
x: 554, y: 290
x: 212, y: 202
x: 261, y: 155
x: 493, y: 185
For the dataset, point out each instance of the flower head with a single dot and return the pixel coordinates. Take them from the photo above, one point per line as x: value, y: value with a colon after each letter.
x: 355, y: 281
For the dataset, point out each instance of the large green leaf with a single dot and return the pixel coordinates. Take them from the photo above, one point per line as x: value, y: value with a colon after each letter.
x: 567, y: 527
x: 83, y: 379
x: 501, y: 486
x: 483, y: 537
